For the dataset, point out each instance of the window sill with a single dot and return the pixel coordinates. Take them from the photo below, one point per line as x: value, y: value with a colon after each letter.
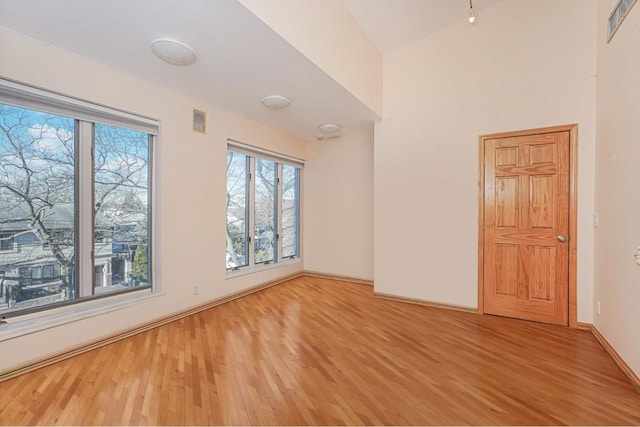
x: 262, y: 267
x: 32, y: 323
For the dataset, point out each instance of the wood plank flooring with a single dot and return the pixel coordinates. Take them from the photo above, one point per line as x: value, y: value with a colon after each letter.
x: 317, y: 351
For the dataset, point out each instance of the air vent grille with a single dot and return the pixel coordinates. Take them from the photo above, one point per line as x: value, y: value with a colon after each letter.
x: 199, y: 121
x: 617, y: 16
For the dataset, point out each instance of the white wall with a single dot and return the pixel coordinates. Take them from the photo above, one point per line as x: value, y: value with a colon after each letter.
x: 617, y: 277
x: 523, y: 64
x: 338, y: 206
x: 191, y: 178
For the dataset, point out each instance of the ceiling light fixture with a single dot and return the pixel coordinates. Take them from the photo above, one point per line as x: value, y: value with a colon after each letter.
x: 329, y: 128
x: 472, y: 14
x: 173, y: 52
x: 275, y: 102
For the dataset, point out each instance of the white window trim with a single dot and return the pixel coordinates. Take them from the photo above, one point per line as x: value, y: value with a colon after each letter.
x: 252, y: 151
x: 87, y: 113
x: 31, y: 97
x: 46, y: 319
x: 243, y: 271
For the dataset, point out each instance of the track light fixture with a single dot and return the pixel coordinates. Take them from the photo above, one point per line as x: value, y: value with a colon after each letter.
x: 472, y: 14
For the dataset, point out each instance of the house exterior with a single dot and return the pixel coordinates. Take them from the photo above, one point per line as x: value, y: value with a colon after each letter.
x: 31, y: 275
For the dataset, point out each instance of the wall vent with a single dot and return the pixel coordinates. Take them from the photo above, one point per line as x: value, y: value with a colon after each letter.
x: 199, y: 121
x: 617, y: 16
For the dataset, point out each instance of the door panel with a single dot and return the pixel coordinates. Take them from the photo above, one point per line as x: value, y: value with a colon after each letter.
x: 526, y: 207
x: 507, y: 270
x: 542, y: 213
x: 506, y: 201
x: 542, y: 268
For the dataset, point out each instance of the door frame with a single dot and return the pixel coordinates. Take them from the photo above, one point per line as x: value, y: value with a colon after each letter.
x: 573, y: 211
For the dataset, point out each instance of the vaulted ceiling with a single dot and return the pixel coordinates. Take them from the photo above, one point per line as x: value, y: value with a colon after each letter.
x: 240, y: 59
x: 392, y: 24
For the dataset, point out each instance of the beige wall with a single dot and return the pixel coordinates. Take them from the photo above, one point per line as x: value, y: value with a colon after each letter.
x: 617, y: 276
x: 523, y: 64
x: 330, y: 37
x: 338, y: 206
x: 191, y: 177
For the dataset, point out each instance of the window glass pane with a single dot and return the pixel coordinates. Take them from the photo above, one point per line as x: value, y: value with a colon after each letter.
x: 265, y: 218
x: 121, y: 197
x: 37, y: 207
x: 290, y: 211
x: 47, y: 271
x: 237, y: 209
x: 6, y: 242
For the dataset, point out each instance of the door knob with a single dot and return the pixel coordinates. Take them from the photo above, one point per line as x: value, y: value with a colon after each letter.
x: 561, y: 238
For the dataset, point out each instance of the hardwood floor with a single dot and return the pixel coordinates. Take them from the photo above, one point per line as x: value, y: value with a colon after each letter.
x: 316, y: 351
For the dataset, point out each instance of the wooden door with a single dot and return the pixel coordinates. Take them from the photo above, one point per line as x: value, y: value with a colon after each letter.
x: 526, y: 226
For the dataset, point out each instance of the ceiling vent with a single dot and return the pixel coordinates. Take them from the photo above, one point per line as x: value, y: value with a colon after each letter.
x: 617, y: 16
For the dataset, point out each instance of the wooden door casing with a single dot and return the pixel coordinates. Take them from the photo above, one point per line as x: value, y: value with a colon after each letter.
x: 527, y: 188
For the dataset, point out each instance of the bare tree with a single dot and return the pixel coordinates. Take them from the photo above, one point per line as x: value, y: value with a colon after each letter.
x: 38, y: 177
x: 37, y: 173
x: 236, y: 209
x: 265, y: 205
x: 121, y: 181
x: 265, y: 202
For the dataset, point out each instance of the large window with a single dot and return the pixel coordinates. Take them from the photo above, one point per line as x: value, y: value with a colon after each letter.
x: 263, y: 209
x: 75, y: 200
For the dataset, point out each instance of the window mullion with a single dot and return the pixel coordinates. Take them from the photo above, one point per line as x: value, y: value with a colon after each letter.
x: 152, y: 212
x: 84, y: 218
x: 252, y: 209
x: 278, y: 208
x: 298, y: 213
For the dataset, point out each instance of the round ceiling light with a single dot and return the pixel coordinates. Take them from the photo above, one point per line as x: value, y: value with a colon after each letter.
x: 275, y: 102
x: 329, y: 128
x: 173, y: 52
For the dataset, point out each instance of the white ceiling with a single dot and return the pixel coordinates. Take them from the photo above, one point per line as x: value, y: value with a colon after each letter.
x: 392, y: 24
x: 240, y: 59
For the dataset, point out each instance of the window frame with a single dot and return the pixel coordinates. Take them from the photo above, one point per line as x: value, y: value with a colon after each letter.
x: 85, y: 115
x: 280, y: 160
